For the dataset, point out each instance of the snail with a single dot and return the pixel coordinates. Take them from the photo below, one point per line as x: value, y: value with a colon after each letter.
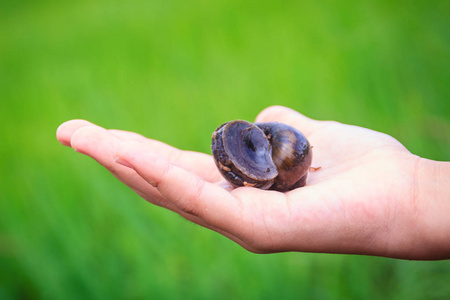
x: 266, y: 155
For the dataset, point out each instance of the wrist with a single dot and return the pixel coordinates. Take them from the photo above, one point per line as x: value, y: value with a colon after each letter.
x: 432, y: 198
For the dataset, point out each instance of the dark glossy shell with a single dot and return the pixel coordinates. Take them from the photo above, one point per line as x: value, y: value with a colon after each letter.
x: 263, y: 155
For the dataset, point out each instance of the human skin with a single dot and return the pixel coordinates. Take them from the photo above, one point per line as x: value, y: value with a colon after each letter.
x: 371, y: 196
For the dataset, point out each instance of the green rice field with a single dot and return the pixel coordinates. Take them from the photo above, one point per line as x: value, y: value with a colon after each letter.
x: 173, y: 71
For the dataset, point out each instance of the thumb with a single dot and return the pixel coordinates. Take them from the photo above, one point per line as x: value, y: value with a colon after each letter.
x: 290, y: 117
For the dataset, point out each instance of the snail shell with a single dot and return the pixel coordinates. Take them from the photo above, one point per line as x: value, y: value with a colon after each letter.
x: 263, y: 155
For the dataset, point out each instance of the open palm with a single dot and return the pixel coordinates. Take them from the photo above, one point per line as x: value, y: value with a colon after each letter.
x: 361, y: 200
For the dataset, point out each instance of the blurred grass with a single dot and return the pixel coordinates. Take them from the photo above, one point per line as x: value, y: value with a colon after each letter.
x: 173, y: 71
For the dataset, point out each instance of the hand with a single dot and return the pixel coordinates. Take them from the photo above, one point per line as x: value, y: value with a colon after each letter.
x: 366, y: 198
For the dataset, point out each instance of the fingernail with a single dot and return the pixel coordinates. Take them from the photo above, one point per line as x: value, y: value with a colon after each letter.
x: 79, y: 151
x: 123, y: 162
x: 64, y: 143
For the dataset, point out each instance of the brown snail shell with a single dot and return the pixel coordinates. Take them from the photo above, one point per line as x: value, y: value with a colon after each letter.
x: 263, y: 155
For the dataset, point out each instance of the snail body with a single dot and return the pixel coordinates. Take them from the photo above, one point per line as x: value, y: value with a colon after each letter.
x: 267, y: 155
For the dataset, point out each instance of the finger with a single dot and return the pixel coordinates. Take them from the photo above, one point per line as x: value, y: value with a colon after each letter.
x: 187, y: 191
x: 92, y: 140
x: 65, y: 130
x: 99, y: 144
x: 290, y: 117
x: 201, y: 164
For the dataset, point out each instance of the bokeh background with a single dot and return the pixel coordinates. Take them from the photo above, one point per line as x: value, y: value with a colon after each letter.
x: 173, y: 71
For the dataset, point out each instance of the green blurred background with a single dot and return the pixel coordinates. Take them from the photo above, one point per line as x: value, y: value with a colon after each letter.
x: 173, y: 71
